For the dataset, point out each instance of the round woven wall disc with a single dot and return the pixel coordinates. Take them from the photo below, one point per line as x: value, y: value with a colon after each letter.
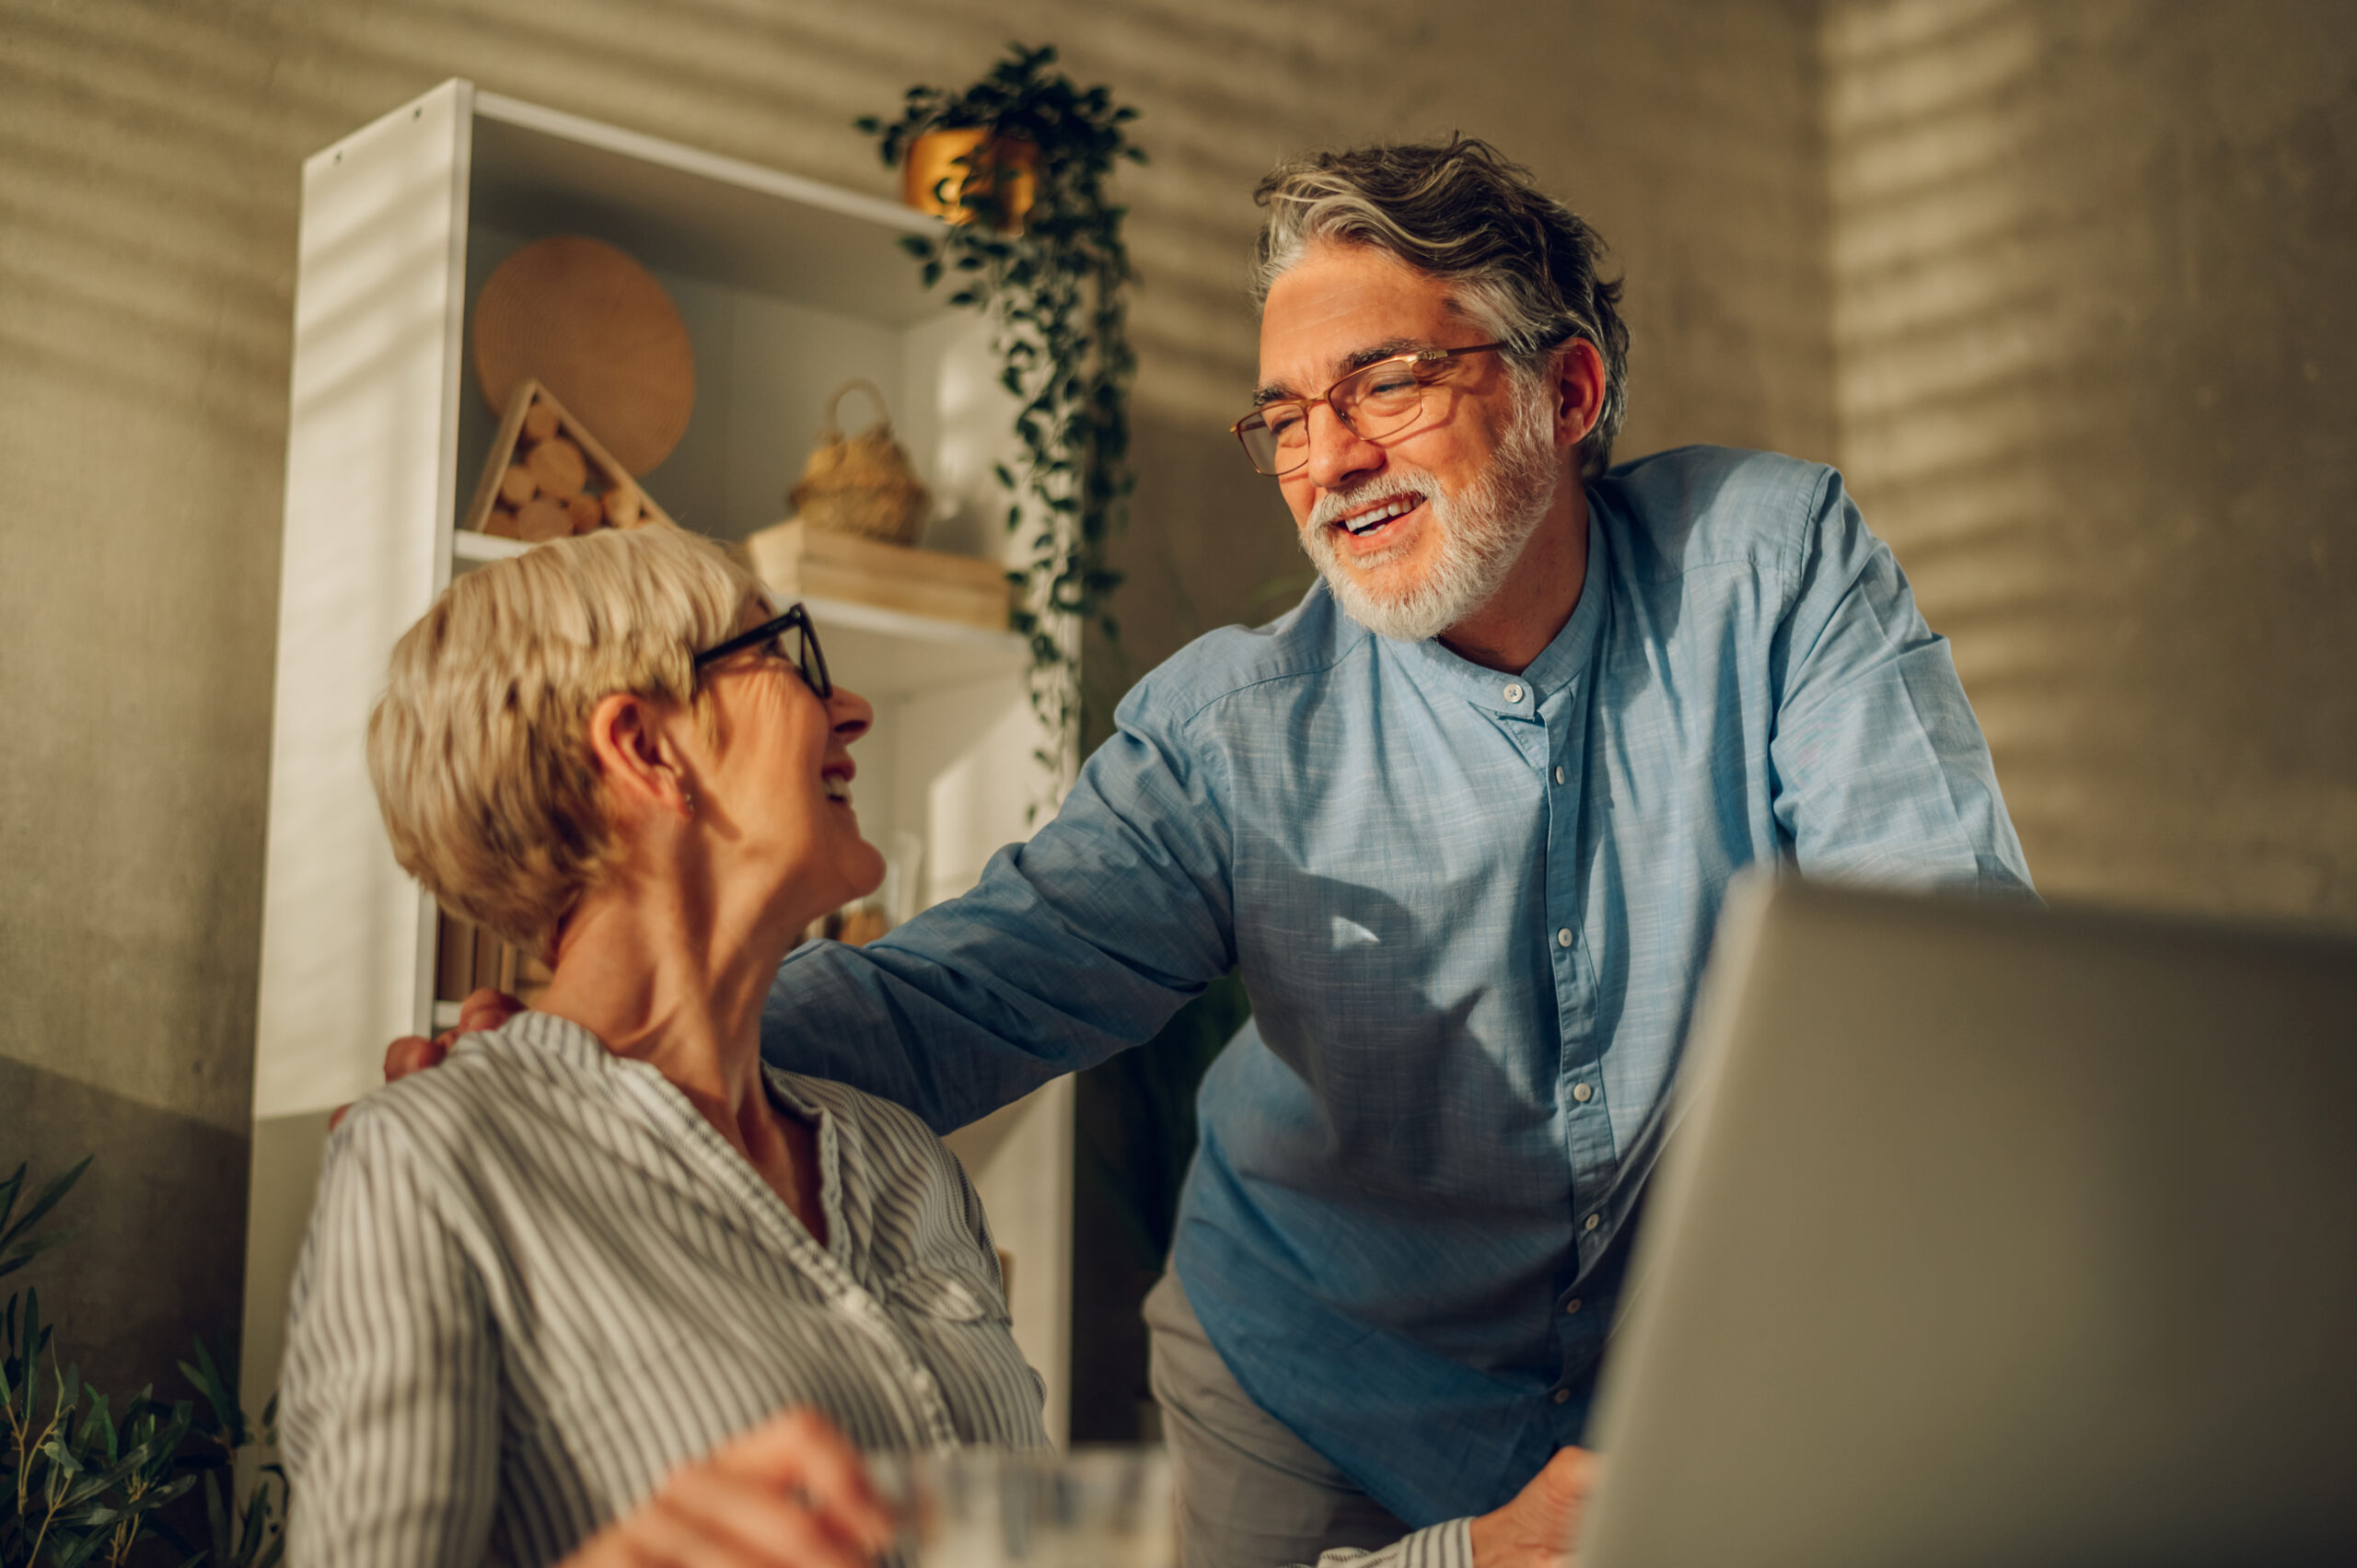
x: 597, y: 330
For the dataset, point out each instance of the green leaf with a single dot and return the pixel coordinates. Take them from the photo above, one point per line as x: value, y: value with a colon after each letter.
x: 103, y: 1421
x: 34, y: 1340
x: 48, y: 1200
x: 62, y: 1457
x: 73, y: 1554
x: 224, y: 1418
x: 26, y: 1251
x: 257, y: 1520
x: 216, y: 1520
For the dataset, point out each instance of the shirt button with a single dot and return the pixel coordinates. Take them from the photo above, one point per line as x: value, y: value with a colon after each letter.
x: 1563, y: 937
x: 1561, y: 1396
x: 1513, y: 694
x: 1583, y: 1093
x: 1592, y: 1221
x: 1571, y: 1308
x: 1559, y: 776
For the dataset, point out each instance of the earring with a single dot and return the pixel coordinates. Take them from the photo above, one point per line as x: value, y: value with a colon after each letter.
x: 688, y: 799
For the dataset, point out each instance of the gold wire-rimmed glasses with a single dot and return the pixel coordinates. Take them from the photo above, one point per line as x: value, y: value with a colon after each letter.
x: 1372, y: 402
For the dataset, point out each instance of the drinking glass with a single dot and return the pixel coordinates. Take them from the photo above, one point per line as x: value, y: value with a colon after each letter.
x: 1099, y: 1507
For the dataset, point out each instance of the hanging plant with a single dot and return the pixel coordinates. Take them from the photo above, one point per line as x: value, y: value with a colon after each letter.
x: 1035, y: 242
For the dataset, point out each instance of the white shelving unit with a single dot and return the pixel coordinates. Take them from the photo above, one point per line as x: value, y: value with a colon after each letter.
x: 788, y: 288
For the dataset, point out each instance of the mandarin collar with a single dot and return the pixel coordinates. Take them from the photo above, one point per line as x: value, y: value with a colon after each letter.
x: 1560, y: 664
x: 583, y: 1052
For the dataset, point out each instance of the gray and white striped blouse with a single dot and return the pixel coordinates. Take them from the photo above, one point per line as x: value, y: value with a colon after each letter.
x: 537, y: 1279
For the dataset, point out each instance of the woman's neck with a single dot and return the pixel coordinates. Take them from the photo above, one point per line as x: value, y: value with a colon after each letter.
x: 672, y: 976
x: 668, y: 978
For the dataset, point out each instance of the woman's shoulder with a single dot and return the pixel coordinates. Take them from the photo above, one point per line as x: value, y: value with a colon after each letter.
x: 488, y: 1081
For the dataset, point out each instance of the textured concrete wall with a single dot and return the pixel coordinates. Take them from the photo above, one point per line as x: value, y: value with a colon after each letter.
x: 2093, y: 325
x: 148, y: 166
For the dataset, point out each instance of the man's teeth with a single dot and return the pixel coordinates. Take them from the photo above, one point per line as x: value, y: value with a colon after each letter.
x: 1368, y: 522
x: 838, y: 787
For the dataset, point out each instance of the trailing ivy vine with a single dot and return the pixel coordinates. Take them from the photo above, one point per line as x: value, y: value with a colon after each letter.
x: 1056, y: 295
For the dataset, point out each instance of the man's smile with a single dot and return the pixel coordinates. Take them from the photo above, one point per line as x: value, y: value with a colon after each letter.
x: 1368, y: 521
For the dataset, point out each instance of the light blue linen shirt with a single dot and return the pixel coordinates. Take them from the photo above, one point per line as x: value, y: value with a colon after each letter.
x: 1471, y: 909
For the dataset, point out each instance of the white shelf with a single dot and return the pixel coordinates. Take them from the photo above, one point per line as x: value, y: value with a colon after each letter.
x: 476, y: 549
x: 884, y: 655
x: 881, y: 654
x: 679, y: 208
x: 788, y: 288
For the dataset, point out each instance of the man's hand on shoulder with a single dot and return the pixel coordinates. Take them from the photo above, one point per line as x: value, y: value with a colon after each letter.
x: 1542, y: 1525
x: 482, y: 1009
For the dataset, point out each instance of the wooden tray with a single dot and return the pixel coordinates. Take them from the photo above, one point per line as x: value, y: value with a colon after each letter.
x: 580, y: 316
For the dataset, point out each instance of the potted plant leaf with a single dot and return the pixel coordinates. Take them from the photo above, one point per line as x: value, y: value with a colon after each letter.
x: 1037, y: 247
x: 83, y: 1485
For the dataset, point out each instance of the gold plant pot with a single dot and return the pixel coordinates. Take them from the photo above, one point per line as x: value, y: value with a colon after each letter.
x: 1002, y: 163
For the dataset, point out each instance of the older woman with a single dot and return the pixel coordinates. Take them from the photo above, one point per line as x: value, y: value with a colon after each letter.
x: 557, y: 1292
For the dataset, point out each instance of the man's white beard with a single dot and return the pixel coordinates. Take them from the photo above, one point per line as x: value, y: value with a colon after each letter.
x: 1481, y: 531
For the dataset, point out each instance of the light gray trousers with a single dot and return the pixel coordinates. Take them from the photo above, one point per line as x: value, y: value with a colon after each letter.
x: 1251, y: 1493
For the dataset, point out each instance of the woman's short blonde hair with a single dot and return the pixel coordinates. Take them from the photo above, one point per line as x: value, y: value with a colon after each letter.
x: 480, y: 747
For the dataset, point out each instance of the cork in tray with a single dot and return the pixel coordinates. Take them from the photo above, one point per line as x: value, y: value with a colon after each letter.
x: 548, y: 477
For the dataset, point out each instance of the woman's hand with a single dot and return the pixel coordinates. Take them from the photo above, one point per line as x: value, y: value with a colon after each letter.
x: 789, y: 1493
x: 1542, y: 1525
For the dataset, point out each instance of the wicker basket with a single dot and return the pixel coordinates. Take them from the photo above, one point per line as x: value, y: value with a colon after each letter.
x: 862, y: 485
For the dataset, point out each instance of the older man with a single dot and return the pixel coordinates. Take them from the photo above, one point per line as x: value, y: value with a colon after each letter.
x: 1463, y: 820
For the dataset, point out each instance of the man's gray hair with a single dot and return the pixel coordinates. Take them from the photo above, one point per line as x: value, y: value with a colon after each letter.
x: 1524, y: 264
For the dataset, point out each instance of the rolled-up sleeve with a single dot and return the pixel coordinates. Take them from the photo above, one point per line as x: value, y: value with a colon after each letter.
x: 1881, y: 773
x: 390, y: 1403
x: 1448, y: 1544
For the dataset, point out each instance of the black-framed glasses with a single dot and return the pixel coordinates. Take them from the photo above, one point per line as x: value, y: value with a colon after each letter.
x: 1373, y: 401
x: 805, y: 656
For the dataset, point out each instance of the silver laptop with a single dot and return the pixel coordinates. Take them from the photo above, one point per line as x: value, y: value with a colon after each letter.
x: 1995, y: 1236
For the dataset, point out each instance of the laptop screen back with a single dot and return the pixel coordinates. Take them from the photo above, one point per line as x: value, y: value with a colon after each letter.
x: 1995, y: 1235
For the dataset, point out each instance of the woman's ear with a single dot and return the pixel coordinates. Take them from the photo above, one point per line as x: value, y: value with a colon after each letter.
x: 640, y: 761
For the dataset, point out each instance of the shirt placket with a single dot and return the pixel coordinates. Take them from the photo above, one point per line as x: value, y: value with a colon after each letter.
x: 1581, y: 1319
x: 923, y: 1410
